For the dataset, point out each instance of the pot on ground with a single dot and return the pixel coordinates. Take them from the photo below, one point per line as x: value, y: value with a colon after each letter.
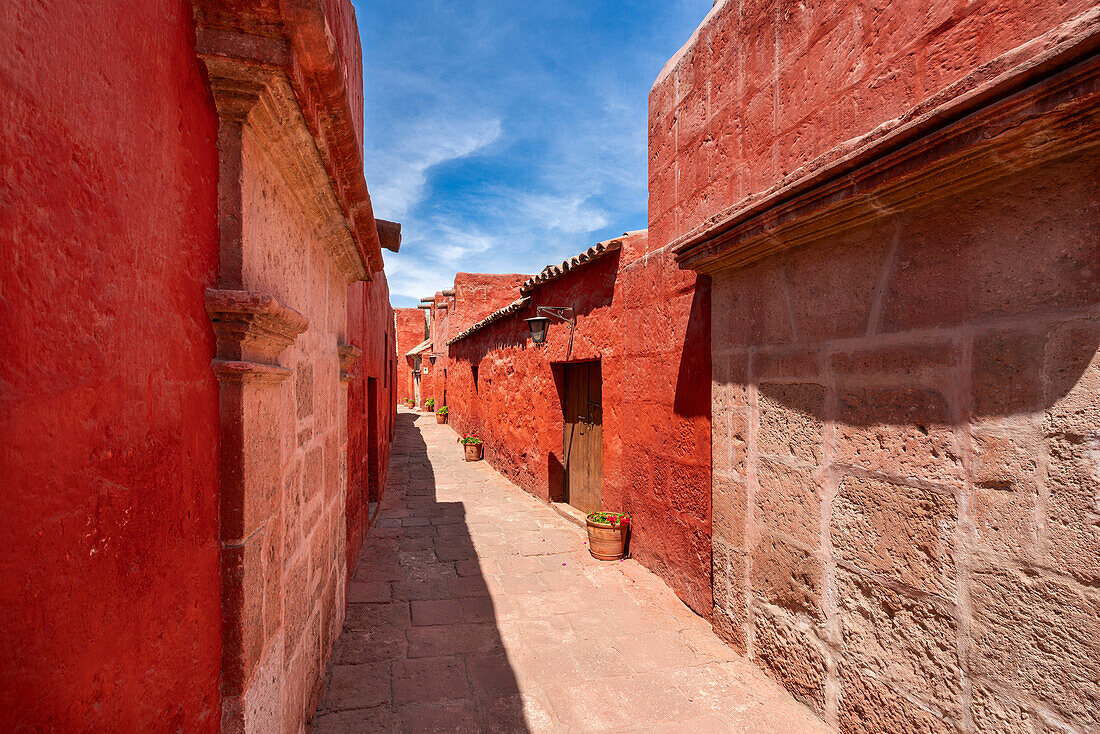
x: 473, y: 451
x: 440, y: 418
x: 606, y: 541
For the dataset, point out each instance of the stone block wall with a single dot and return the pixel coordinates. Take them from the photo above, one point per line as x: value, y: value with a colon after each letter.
x: 766, y: 87
x: 899, y: 215
x: 301, y: 531
x: 905, y: 477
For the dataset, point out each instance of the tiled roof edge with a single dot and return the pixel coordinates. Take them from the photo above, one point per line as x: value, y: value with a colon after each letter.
x: 551, y: 272
x: 494, y: 316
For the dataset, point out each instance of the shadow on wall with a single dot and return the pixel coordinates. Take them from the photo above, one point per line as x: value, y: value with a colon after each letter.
x: 420, y: 648
x: 693, y: 376
x: 907, y: 418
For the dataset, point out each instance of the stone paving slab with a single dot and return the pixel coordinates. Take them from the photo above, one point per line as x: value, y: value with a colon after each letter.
x: 475, y: 607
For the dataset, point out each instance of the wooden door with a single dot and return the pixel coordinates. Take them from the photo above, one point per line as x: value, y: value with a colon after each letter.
x: 583, y: 413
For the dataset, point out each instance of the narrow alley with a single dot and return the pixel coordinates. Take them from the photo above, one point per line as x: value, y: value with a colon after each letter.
x: 476, y: 607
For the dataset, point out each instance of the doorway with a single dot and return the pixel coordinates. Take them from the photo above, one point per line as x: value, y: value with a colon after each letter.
x: 583, y: 423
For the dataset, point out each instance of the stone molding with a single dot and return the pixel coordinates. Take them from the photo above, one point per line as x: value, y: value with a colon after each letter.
x: 349, y: 355
x: 261, y: 98
x: 228, y: 370
x: 251, y: 328
x: 298, y: 39
x: 1031, y: 105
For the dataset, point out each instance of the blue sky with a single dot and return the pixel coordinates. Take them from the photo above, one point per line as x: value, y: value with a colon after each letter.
x: 506, y: 135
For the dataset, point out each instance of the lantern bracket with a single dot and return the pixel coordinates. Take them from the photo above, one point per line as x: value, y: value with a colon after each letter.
x: 557, y: 312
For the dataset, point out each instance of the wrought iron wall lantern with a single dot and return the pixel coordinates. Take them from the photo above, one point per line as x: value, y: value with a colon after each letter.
x: 540, y: 323
x: 431, y: 358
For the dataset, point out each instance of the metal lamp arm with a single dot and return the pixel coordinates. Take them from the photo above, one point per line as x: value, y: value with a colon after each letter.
x: 557, y: 312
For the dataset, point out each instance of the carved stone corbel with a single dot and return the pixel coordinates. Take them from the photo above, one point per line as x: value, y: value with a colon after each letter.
x: 349, y: 355
x: 252, y: 331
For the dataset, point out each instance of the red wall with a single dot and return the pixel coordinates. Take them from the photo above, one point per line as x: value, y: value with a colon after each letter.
x: 109, y: 582
x: 476, y: 295
x: 762, y: 89
x: 371, y: 328
x: 648, y: 323
x: 410, y: 332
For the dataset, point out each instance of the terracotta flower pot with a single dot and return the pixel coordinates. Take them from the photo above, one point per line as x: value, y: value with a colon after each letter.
x: 440, y: 418
x: 606, y: 542
x: 473, y: 451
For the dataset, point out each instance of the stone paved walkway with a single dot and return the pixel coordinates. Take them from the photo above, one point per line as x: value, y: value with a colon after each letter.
x: 475, y: 607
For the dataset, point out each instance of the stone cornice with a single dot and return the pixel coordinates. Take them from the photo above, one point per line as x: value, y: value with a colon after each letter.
x: 290, y: 43
x: 251, y: 329
x: 1037, y: 102
x: 260, y: 97
x: 228, y: 370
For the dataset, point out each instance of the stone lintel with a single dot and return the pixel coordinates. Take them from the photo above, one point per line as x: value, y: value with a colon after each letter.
x: 300, y: 39
x: 251, y: 327
x: 258, y: 96
x: 1034, y: 103
x: 349, y: 355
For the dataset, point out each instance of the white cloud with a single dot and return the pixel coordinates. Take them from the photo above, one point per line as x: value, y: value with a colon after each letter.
x: 398, y: 175
x: 568, y: 212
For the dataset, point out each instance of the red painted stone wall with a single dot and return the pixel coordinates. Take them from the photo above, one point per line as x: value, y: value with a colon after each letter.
x: 905, y: 410
x: 371, y: 329
x: 410, y: 332
x: 763, y: 88
x: 476, y: 295
x: 109, y: 577
x: 647, y: 323
x: 174, y: 555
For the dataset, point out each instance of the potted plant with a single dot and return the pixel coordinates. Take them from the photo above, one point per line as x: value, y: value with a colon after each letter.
x: 430, y: 405
x: 607, y: 534
x: 441, y: 415
x: 473, y: 446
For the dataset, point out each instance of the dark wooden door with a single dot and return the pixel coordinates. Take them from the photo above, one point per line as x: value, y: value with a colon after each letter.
x: 583, y: 412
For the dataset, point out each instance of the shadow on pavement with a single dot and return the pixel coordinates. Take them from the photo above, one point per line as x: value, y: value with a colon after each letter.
x: 420, y: 648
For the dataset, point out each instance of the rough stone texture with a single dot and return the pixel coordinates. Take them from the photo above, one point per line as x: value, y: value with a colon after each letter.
x: 647, y: 324
x: 906, y: 534
x: 1042, y: 635
x: 109, y: 588
x: 487, y: 613
x: 921, y: 478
